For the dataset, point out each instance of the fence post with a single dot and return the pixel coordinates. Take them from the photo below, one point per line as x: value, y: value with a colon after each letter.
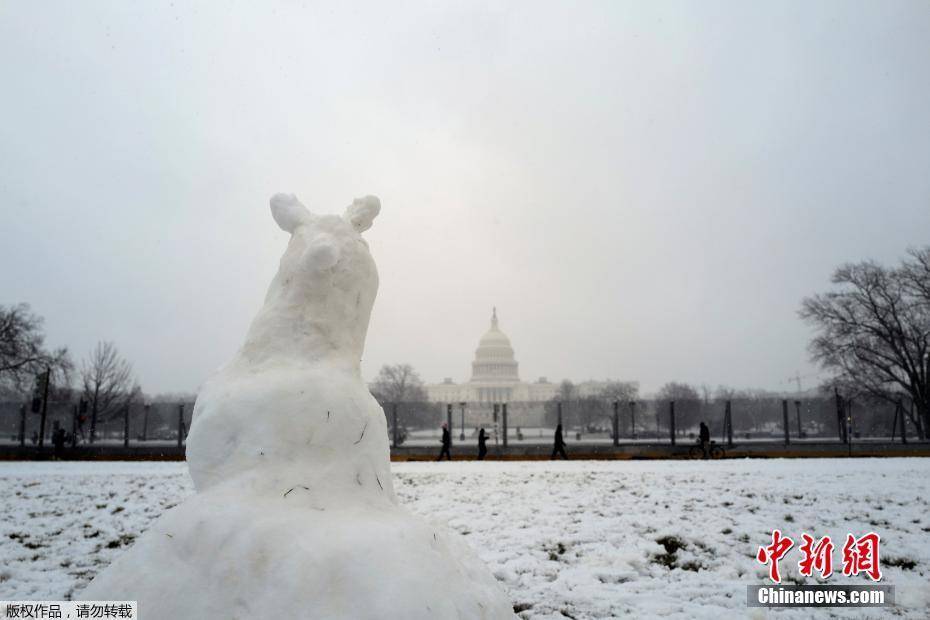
x: 48, y: 379
x: 394, y: 424
x: 126, y: 425
x: 180, y: 424
x: 671, y: 420
x: 449, y: 420
x: 633, y: 419
x: 840, y: 418
x: 22, y: 426
x: 93, y: 422
x: 462, y: 423
x: 145, y: 421
x: 903, y: 423
x: 921, y: 431
x: 728, y: 422
x: 616, y: 423
x: 784, y: 414
x: 504, y: 422
x: 74, y: 417
x: 559, y: 407
x: 849, y: 426
x: 797, y: 407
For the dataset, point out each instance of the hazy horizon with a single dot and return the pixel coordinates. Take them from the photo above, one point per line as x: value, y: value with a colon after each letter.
x: 646, y: 191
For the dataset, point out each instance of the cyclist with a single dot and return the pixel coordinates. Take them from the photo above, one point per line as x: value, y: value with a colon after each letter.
x: 704, y: 438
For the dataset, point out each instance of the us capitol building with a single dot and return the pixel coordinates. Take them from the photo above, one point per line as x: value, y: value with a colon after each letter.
x: 494, y: 376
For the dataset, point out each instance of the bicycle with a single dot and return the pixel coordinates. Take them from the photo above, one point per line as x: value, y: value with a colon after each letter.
x: 714, y: 451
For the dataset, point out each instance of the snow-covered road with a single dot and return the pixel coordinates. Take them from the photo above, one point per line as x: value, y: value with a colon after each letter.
x: 590, y: 539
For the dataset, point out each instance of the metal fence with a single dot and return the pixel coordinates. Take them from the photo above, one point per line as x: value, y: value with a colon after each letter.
x: 159, y: 423
x: 589, y: 420
x: 656, y: 421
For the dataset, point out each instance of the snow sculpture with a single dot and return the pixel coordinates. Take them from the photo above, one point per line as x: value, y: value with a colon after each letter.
x: 295, y: 514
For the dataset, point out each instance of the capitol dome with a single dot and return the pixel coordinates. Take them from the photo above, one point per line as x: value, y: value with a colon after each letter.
x: 494, y: 377
x: 494, y: 359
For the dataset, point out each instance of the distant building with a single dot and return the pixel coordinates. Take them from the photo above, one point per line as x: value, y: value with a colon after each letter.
x: 494, y: 376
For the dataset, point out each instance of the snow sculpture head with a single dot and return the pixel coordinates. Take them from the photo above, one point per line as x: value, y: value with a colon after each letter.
x: 292, y: 398
x: 318, y: 305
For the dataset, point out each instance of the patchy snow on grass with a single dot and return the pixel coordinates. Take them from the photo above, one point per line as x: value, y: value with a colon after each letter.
x: 566, y: 539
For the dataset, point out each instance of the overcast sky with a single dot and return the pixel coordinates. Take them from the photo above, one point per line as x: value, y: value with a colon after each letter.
x: 646, y: 191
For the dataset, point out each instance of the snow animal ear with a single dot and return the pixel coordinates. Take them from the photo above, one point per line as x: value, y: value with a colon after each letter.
x: 288, y: 212
x: 362, y: 211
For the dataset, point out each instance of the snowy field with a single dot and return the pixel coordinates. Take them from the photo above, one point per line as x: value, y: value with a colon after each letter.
x: 567, y: 539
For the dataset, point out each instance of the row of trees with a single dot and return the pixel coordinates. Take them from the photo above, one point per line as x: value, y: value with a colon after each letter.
x: 586, y: 410
x: 106, y: 384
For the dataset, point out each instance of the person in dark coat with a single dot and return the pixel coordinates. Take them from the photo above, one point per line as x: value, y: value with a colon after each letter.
x: 704, y: 438
x: 446, y: 443
x: 558, y: 446
x: 482, y: 444
x: 58, y: 439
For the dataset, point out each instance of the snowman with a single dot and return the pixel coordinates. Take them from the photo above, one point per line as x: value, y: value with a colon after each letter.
x: 295, y: 514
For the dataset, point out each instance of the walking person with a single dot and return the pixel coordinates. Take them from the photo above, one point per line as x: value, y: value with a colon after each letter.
x: 558, y: 446
x: 482, y: 444
x: 446, y: 443
x: 704, y: 438
x: 58, y: 439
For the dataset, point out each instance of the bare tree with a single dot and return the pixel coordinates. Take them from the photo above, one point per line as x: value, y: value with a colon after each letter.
x: 874, y: 332
x: 622, y: 391
x: 567, y: 392
x: 687, y: 403
x: 23, y: 354
x: 592, y: 413
x: 398, y: 384
x: 108, y: 383
x: 724, y: 393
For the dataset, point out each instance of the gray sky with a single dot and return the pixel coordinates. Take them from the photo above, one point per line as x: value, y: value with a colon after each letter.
x: 645, y: 190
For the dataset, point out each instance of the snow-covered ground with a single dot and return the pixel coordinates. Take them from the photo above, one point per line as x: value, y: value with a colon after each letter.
x: 567, y: 539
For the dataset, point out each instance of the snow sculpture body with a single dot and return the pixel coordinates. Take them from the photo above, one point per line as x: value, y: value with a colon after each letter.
x: 295, y: 514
